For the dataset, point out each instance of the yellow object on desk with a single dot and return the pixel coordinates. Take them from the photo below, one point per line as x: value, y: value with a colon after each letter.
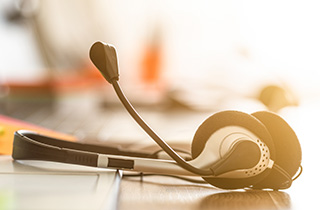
x: 9, y: 125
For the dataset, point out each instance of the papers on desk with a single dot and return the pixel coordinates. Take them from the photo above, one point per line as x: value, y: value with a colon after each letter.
x: 47, y: 185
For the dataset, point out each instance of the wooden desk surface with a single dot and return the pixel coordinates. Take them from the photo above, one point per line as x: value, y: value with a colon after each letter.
x: 169, y: 193
x: 158, y: 192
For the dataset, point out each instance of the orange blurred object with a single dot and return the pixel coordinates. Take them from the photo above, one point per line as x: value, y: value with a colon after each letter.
x: 151, y: 64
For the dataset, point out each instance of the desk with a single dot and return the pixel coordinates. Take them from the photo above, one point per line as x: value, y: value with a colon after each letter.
x: 168, y: 193
x: 158, y: 192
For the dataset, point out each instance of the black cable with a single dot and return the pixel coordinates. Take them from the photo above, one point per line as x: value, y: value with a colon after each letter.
x: 166, y: 175
x: 284, y: 173
x: 156, y: 153
x: 300, y: 172
x: 175, y: 156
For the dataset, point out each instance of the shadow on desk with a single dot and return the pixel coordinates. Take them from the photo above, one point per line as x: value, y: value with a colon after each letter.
x: 157, y: 192
x: 247, y: 200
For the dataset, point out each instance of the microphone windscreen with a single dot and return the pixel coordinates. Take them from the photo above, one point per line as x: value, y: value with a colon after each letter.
x: 104, y: 57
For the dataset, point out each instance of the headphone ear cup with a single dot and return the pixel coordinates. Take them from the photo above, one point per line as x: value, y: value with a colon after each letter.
x: 287, y: 148
x: 232, y: 118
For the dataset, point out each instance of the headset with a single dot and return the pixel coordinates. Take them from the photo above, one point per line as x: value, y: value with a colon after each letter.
x: 230, y: 149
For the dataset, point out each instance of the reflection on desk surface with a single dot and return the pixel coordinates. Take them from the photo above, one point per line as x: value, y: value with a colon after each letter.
x: 247, y: 200
x: 166, y: 192
x: 156, y: 192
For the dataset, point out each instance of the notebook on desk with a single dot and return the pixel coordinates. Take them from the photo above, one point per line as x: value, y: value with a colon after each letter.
x: 47, y: 185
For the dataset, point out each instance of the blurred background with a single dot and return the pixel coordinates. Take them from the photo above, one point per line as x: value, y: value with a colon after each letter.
x: 198, y: 55
x: 166, y: 45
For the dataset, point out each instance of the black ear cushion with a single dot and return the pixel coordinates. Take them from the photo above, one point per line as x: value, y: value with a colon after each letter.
x: 230, y: 118
x: 287, y: 148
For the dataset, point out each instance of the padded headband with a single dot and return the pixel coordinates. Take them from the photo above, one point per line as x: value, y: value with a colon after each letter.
x: 28, y: 145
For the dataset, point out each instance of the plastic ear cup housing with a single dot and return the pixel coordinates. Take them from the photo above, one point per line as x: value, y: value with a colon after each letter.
x: 287, y: 148
x: 232, y: 118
